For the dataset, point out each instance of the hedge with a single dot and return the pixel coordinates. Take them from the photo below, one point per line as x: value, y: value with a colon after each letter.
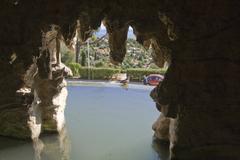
x: 97, y: 73
x: 136, y: 74
x: 75, y: 67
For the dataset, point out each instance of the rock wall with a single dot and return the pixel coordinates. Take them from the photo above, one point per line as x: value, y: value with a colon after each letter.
x: 161, y: 128
x: 14, y: 115
x: 28, y: 65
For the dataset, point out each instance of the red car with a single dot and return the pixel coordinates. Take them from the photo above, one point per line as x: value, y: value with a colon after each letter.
x: 153, y: 79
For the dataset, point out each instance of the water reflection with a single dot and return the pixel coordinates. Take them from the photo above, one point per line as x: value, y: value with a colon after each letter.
x: 162, y: 149
x: 124, y: 86
x: 103, y: 123
x: 53, y: 147
x: 47, y: 147
x: 11, y: 148
x: 38, y: 148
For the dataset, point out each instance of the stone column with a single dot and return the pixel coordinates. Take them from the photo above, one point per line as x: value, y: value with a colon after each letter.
x: 52, y: 96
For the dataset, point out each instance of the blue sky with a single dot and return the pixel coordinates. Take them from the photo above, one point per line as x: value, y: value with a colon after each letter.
x: 102, y: 31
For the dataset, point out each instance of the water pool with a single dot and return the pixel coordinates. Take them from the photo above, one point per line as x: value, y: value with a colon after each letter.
x: 103, y: 122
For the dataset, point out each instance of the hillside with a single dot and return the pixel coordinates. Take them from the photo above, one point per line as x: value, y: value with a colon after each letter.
x: 137, y: 56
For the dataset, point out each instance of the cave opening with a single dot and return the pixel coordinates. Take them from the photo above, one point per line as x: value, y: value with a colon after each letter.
x: 199, y: 96
x: 119, y: 105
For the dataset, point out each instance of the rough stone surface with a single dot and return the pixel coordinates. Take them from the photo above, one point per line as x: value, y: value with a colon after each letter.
x: 52, y: 95
x: 161, y: 128
x: 117, y: 37
x: 14, y: 116
x: 18, y: 117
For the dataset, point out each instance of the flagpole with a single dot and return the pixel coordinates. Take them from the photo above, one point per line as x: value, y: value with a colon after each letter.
x: 88, y: 59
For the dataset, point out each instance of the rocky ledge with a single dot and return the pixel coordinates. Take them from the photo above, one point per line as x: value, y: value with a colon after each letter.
x: 39, y: 106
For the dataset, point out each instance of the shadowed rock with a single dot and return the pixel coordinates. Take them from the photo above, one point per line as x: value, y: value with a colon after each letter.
x: 160, y: 54
x: 153, y: 35
x: 117, y: 36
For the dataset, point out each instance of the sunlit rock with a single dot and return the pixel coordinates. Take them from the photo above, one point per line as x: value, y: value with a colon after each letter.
x: 161, y: 128
x: 52, y: 96
x: 35, y: 117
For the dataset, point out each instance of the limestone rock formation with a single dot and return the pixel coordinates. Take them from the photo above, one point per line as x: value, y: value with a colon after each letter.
x: 38, y: 103
x: 161, y: 128
x: 51, y: 96
x: 14, y: 115
x: 159, y: 53
x: 117, y: 37
x: 36, y: 109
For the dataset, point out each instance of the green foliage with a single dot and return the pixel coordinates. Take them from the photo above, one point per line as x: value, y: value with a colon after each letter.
x: 97, y: 73
x: 94, y: 38
x: 75, y: 67
x: 153, y: 66
x: 67, y: 57
x: 137, y: 56
x: 136, y: 74
x: 99, y: 64
x: 83, y: 58
x: 137, y: 63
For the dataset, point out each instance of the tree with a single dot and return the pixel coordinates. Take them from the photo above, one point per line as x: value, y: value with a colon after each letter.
x: 83, y: 58
x: 67, y: 57
x: 77, y: 50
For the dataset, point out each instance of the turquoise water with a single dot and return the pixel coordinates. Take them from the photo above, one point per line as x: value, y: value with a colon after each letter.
x: 102, y: 123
